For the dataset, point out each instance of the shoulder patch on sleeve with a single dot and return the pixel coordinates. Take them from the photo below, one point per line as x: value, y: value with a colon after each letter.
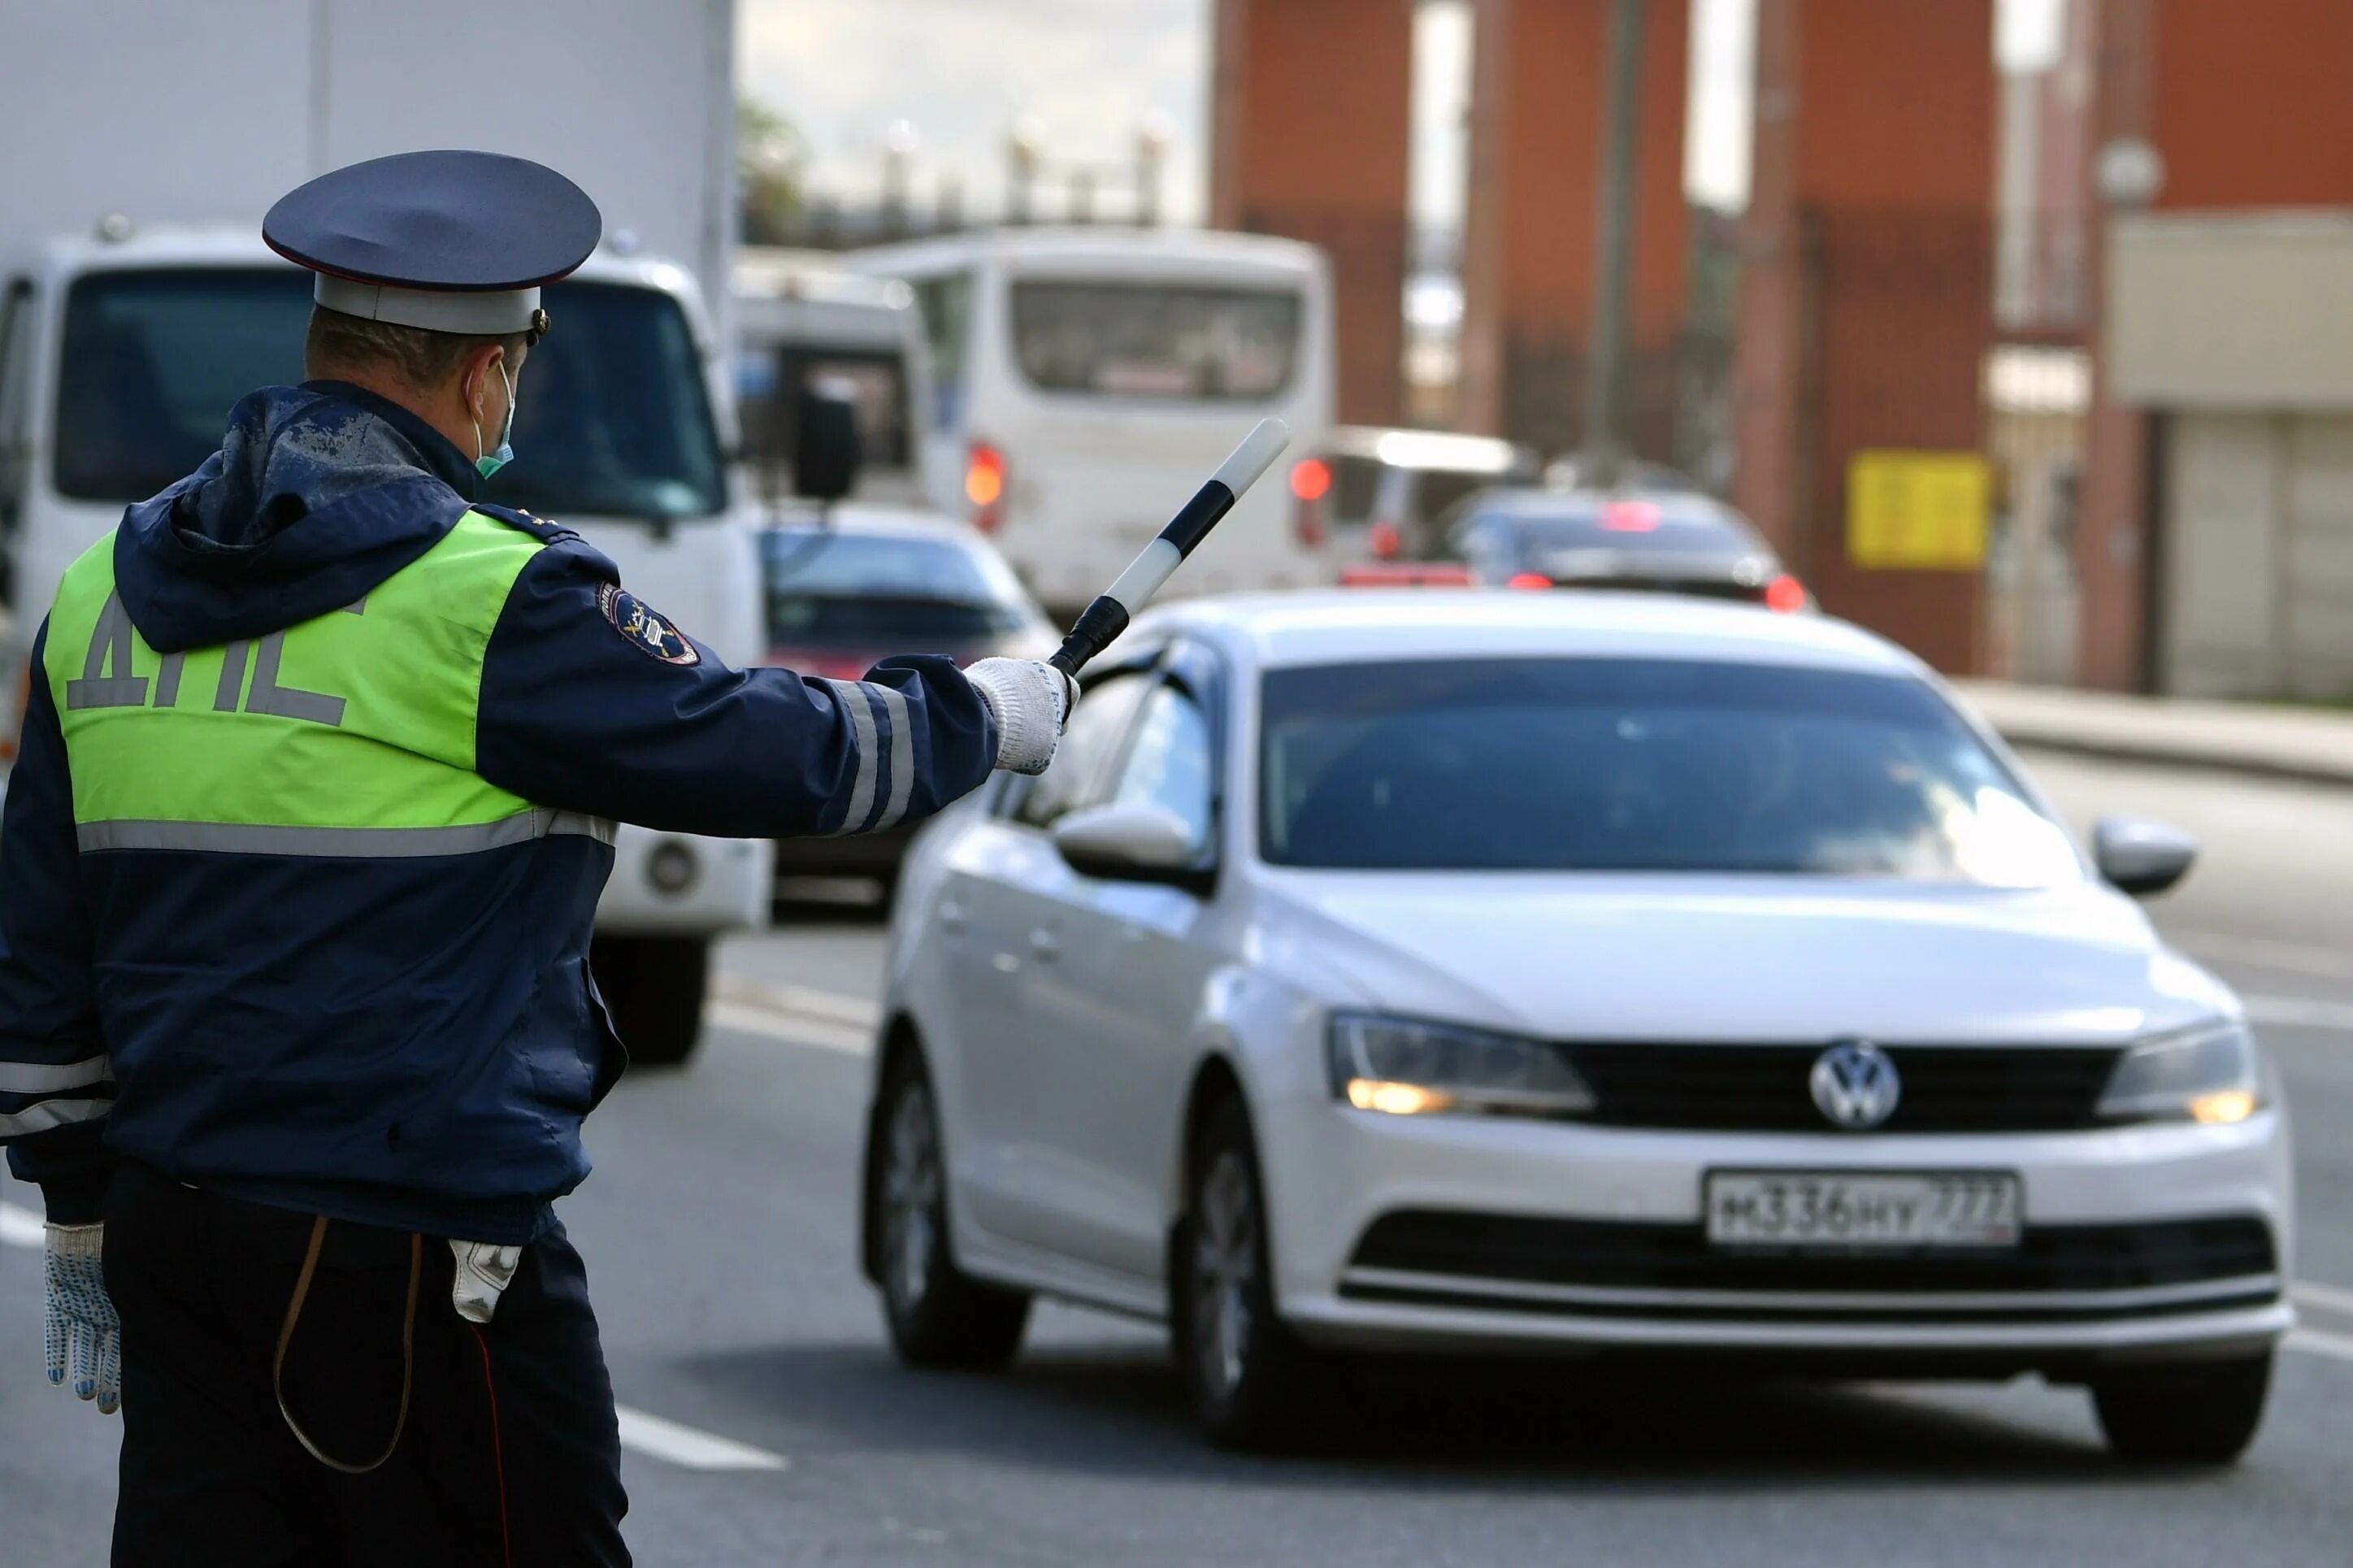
x: 645, y: 628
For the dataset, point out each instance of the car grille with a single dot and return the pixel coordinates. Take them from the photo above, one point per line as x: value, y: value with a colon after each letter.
x: 1764, y: 1088
x: 1620, y: 1255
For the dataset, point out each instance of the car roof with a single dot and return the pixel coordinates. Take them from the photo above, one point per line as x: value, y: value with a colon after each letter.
x: 870, y: 520
x: 1373, y: 625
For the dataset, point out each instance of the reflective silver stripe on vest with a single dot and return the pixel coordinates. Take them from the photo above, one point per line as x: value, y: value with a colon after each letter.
x: 339, y: 843
x: 902, y: 757
x: 38, y: 1078
x: 852, y: 695
x: 52, y: 1113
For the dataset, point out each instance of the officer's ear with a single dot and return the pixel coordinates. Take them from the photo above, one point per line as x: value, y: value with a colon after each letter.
x: 481, y: 373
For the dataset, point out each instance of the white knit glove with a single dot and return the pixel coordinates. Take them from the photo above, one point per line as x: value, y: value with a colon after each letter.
x: 81, y: 1325
x: 485, y: 1270
x: 1030, y: 701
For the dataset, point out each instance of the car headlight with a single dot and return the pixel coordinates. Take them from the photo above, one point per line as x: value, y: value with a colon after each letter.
x: 1408, y: 1067
x: 2207, y: 1074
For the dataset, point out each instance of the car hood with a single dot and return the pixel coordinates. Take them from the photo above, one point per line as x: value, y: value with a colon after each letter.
x: 1740, y: 958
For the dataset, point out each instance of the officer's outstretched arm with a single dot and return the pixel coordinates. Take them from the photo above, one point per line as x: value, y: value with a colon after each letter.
x: 593, y: 701
x: 56, y: 1086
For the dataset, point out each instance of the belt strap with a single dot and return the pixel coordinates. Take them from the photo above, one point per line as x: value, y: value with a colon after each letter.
x: 407, y: 1349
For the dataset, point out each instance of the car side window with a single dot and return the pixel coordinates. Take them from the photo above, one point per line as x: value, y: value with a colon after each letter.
x: 1168, y: 765
x: 1097, y: 725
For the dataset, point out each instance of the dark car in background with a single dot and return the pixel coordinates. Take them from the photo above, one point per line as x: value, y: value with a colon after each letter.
x: 1657, y: 541
x: 868, y: 583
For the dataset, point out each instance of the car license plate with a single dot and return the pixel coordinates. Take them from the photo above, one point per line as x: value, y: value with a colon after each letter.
x: 1847, y: 1209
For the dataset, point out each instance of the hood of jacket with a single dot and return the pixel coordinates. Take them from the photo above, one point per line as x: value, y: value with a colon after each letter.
x: 319, y: 493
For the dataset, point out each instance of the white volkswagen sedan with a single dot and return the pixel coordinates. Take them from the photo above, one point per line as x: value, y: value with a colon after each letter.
x: 1567, y: 973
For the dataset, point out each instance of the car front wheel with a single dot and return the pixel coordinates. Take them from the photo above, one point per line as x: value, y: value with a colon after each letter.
x: 2204, y: 1413
x: 1252, y: 1383
x: 938, y: 1315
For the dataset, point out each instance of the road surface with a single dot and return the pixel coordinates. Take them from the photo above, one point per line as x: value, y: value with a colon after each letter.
x: 766, y: 1425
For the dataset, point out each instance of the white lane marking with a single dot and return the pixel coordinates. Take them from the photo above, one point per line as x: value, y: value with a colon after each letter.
x: 2295, y: 958
x: 2327, y: 1297
x: 2320, y: 1342
x: 839, y: 1006
x: 2300, y: 1012
x: 792, y: 1029
x: 690, y: 1447
x: 19, y: 1227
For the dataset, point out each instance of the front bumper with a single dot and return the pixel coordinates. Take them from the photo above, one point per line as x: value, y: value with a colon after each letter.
x: 1454, y: 1233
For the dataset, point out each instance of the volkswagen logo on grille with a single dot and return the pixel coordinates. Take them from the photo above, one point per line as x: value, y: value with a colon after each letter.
x: 1855, y: 1085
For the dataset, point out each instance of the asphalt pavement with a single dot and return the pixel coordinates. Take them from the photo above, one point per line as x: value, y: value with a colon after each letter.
x: 765, y: 1424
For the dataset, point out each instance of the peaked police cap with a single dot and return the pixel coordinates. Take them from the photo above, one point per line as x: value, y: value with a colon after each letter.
x: 450, y: 241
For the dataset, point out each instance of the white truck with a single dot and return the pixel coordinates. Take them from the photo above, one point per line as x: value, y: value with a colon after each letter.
x: 802, y: 323
x: 137, y: 303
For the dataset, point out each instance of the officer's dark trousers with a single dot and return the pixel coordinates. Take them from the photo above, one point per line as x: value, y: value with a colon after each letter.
x: 510, y: 1456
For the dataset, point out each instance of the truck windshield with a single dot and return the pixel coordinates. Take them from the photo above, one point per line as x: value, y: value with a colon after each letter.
x: 613, y: 420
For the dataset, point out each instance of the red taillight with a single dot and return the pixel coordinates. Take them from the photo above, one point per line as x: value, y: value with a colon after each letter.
x: 1311, y: 482
x: 1383, y: 539
x: 983, y: 485
x: 1529, y: 580
x: 1786, y: 594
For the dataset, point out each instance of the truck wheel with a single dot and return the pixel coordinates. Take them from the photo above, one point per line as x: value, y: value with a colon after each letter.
x: 654, y: 987
x: 2193, y: 1414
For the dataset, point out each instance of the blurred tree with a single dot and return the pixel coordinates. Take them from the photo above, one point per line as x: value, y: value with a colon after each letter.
x: 768, y: 155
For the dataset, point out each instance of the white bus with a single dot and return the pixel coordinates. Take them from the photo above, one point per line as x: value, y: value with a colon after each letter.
x: 1085, y: 381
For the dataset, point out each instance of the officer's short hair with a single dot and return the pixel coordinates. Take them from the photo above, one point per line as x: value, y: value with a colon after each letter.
x: 421, y: 358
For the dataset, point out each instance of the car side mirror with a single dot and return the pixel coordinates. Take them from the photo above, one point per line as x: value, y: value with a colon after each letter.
x: 2141, y: 857
x: 1131, y: 842
x: 825, y: 450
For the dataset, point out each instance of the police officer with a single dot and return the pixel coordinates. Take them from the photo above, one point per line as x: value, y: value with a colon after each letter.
x: 315, y: 798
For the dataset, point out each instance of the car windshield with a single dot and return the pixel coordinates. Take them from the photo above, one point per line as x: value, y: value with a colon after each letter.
x: 1616, y: 765
x: 827, y: 588
x: 1622, y: 526
x: 612, y: 419
x: 1156, y: 340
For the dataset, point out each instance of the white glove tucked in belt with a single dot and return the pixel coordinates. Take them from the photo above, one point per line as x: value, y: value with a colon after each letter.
x: 1030, y: 700
x: 485, y: 1270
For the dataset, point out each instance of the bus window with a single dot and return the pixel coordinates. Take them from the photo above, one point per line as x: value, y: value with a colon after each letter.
x: 1150, y: 339
x: 945, y: 302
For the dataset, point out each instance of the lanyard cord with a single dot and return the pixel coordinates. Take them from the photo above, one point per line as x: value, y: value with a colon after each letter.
x: 407, y: 1351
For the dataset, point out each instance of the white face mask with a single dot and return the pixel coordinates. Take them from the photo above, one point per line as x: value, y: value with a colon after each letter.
x: 487, y: 464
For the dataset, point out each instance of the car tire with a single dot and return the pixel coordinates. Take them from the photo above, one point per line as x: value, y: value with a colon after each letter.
x: 2202, y: 1413
x: 1252, y: 1384
x: 938, y: 1314
x: 654, y: 987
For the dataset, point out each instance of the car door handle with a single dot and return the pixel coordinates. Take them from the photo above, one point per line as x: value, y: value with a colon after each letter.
x: 952, y: 917
x: 1046, y: 946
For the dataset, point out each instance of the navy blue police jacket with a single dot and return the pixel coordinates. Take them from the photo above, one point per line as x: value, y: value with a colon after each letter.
x: 346, y: 983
